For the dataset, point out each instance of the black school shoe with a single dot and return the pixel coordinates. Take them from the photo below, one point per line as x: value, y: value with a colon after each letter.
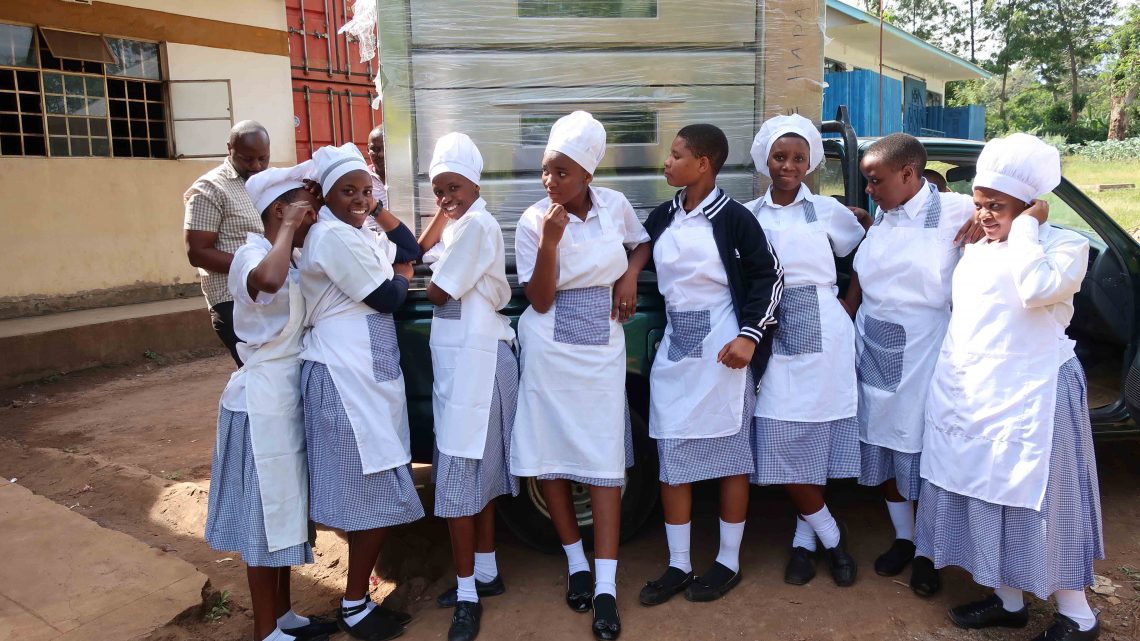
x: 661, y: 590
x: 465, y: 621
x: 317, y: 628
x: 894, y: 560
x: 841, y: 564
x: 607, y: 623
x: 1065, y: 629
x: 494, y: 587
x: 925, y: 579
x: 378, y: 625
x: 988, y: 613
x: 580, y: 590
x: 712, y: 585
x: 801, y: 567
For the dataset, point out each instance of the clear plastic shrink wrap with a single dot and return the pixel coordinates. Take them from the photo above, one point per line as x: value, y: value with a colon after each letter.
x: 502, y: 71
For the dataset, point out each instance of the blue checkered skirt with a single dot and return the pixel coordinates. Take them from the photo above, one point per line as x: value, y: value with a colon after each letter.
x: 341, y: 495
x: 464, y: 486
x: 234, y: 518
x: 585, y: 480
x: 1037, y: 551
x: 688, y: 460
x: 881, y: 464
x: 804, y: 453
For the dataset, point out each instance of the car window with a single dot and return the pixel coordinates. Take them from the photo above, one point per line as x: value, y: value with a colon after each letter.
x: 1062, y: 215
x: 830, y: 176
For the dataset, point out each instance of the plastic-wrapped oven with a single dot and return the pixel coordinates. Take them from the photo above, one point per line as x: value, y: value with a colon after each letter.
x: 502, y: 71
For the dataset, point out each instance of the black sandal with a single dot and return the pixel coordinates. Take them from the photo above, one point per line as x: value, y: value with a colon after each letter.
x: 661, y: 590
x: 607, y: 623
x: 713, y: 584
x: 580, y: 590
x: 317, y: 628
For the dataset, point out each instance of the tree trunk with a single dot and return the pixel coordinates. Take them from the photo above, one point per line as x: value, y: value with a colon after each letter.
x: 1001, y: 101
x: 1118, y: 120
x: 1073, y: 79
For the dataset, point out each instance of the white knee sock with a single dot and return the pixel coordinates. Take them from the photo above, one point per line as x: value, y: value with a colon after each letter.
x: 1012, y: 599
x: 731, y: 534
x: 291, y: 620
x: 902, y: 517
x: 825, y: 527
x: 805, y: 536
x: 1073, y: 604
x: 356, y: 618
x: 678, y: 537
x: 576, y: 557
x: 606, y: 577
x: 465, y: 589
x: 486, y: 567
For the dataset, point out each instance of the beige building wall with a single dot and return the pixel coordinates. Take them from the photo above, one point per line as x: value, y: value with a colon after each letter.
x: 96, y: 231
x: 893, y: 67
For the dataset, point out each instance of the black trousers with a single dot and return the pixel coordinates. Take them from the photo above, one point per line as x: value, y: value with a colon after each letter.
x: 222, y: 318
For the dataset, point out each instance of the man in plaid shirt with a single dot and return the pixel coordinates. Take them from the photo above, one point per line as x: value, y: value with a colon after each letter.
x: 219, y: 213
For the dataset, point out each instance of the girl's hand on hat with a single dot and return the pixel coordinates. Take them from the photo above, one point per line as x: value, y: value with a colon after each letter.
x: 295, y: 212
x: 554, y: 224
x: 737, y: 353
x: 1038, y: 209
x: 314, y: 188
x: 970, y: 232
x: 404, y: 269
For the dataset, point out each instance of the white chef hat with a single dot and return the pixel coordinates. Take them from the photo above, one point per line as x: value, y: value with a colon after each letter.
x: 1020, y: 165
x: 266, y: 186
x: 777, y: 126
x: 580, y: 137
x: 334, y: 162
x: 456, y: 153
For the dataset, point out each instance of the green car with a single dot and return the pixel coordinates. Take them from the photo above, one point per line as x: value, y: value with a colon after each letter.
x: 1106, y: 326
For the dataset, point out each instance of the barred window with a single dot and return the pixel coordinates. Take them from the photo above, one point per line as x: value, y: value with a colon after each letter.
x: 61, y: 107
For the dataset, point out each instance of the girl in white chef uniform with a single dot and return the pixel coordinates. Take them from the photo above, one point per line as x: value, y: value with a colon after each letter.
x: 721, y: 285
x: 572, y: 423
x: 805, y: 430
x: 356, y: 421
x: 900, y: 295
x: 1009, y: 488
x: 259, y: 483
x: 476, y: 374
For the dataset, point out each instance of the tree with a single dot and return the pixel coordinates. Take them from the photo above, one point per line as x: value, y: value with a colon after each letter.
x: 1123, y: 57
x: 1068, y: 35
x: 1009, y: 23
x: 938, y: 22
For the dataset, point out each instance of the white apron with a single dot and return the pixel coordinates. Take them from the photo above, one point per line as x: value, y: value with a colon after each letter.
x: 464, y: 350
x: 992, y: 400
x: 571, y: 406
x: 691, y: 394
x: 898, y: 343
x: 272, y: 380
x: 811, y: 375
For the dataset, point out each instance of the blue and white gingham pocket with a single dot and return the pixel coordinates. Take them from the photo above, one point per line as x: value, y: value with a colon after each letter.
x: 881, y: 362
x: 385, y: 350
x: 582, y: 316
x: 450, y: 310
x: 688, y: 331
x: 798, y: 328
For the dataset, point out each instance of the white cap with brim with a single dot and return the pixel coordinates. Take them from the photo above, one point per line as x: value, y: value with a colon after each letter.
x: 267, y: 186
x: 335, y: 162
x: 458, y: 154
x: 776, y: 127
x: 1020, y: 165
x: 581, y: 138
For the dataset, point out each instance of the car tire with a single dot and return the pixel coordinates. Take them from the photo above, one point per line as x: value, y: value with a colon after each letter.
x: 526, y: 517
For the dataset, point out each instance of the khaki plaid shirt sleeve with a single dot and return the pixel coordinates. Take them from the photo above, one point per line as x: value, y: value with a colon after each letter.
x: 203, y: 208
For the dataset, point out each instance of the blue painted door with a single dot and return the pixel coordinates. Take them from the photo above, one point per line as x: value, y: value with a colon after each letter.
x: 914, y: 107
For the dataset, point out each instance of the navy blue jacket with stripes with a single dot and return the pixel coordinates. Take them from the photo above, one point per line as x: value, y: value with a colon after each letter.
x: 755, y: 277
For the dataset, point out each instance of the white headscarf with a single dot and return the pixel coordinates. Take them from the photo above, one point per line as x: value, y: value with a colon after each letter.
x: 778, y: 126
x: 456, y: 153
x: 580, y: 137
x: 334, y: 162
x: 266, y: 186
x: 1020, y: 165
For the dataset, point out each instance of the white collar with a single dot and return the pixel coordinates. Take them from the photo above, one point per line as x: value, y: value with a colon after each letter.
x: 916, y: 205
x: 258, y: 240
x: 595, y: 204
x: 802, y: 194
x: 710, y: 206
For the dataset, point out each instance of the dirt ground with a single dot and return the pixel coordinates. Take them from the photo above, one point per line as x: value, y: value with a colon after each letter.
x: 131, y: 448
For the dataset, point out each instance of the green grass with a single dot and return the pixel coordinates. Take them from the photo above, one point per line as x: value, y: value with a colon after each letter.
x: 1122, y: 205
